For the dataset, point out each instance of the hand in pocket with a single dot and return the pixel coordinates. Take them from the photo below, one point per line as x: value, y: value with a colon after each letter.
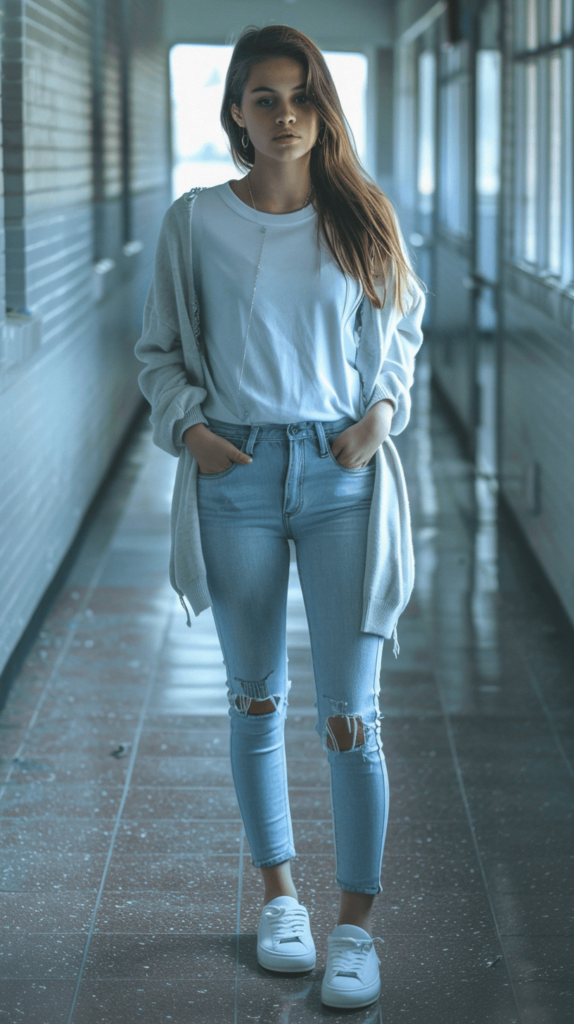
x: 213, y: 454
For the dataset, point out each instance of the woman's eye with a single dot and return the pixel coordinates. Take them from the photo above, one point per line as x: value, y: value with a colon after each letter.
x: 267, y: 101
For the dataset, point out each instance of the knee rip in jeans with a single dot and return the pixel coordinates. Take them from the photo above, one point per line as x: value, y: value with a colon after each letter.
x: 257, y: 689
x: 344, y: 733
x: 255, y: 699
x: 254, y: 705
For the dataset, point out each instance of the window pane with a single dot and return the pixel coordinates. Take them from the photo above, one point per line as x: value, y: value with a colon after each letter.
x: 531, y: 24
x: 555, y: 166
x: 405, y: 134
x: 487, y: 165
x: 349, y: 71
x: 555, y: 20
x: 200, y: 151
x: 488, y: 127
x: 519, y: 25
x: 449, y: 193
x: 454, y: 154
x: 426, y: 119
x: 530, y: 166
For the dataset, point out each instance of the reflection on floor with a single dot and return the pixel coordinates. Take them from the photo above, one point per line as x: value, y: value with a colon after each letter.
x: 127, y: 889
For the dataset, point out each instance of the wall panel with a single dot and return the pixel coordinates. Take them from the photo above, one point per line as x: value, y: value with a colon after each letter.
x: 537, y: 436
x: 452, y: 343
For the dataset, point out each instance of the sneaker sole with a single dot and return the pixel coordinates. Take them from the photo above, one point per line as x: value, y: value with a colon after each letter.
x: 284, y: 964
x: 350, y: 1001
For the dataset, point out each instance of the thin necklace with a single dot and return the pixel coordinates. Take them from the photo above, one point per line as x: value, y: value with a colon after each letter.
x: 307, y: 198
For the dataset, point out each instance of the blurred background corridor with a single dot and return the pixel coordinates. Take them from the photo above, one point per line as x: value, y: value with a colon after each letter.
x: 127, y: 891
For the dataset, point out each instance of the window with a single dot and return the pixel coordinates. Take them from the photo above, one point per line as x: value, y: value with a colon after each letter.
x: 426, y: 116
x: 454, y: 128
x: 555, y: 20
x: 405, y: 127
x: 200, y: 153
x: 531, y: 24
x: 349, y: 71
x: 543, y: 136
x: 488, y: 122
x: 487, y: 161
x: 555, y: 165
x: 530, y: 168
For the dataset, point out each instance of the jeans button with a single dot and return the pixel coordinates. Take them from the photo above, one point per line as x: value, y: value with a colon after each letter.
x: 294, y: 430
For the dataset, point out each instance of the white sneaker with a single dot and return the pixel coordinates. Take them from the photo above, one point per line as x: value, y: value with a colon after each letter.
x: 352, y: 974
x: 284, y: 940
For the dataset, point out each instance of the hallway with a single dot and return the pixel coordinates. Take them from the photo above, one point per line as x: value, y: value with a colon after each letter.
x: 125, y: 876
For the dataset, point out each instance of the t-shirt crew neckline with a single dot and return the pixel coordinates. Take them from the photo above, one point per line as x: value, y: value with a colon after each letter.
x: 257, y: 216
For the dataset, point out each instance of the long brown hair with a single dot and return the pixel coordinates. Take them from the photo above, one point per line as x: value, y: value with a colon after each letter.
x: 356, y: 218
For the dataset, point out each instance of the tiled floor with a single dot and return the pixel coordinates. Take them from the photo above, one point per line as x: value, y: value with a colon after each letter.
x: 127, y: 888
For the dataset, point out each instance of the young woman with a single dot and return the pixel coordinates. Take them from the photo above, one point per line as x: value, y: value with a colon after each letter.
x: 280, y: 335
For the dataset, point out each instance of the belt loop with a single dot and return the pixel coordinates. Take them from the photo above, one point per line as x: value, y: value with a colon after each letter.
x: 323, y: 443
x: 251, y: 440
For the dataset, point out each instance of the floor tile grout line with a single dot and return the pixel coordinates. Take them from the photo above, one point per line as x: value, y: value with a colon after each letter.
x: 547, y: 713
x: 238, y: 922
x: 470, y: 821
x: 137, y: 737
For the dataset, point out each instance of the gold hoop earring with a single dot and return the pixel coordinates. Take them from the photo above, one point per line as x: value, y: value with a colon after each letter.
x: 321, y: 138
x: 245, y: 140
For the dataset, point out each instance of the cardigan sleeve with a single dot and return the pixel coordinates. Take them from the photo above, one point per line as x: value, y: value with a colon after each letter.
x: 165, y: 381
x: 397, y: 372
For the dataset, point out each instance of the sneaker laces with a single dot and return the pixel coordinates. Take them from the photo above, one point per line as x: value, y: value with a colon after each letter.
x: 347, y: 955
x: 286, y: 923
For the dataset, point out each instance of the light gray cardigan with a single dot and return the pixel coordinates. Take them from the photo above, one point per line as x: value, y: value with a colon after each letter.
x: 173, y: 383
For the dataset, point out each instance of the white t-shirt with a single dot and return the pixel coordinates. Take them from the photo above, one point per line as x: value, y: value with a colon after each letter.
x: 277, y: 315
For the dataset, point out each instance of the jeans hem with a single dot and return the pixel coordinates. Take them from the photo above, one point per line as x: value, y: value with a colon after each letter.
x: 365, y: 891
x: 274, y: 860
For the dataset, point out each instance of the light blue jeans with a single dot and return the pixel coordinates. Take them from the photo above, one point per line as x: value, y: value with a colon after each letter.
x: 295, y: 489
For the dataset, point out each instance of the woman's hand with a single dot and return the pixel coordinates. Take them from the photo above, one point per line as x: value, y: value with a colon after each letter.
x: 212, y: 453
x: 355, y: 447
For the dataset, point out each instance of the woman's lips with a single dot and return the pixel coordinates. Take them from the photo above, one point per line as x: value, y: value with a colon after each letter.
x: 289, y: 135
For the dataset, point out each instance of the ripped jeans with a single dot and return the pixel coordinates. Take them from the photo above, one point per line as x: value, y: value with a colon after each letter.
x: 295, y: 489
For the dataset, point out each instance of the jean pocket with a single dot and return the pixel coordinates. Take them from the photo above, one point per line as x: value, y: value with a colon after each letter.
x: 217, y: 476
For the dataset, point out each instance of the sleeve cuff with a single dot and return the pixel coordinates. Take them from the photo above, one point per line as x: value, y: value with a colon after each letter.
x: 192, y: 416
x: 381, y: 394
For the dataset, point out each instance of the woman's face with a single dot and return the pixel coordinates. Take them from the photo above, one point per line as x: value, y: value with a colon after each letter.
x: 280, y: 120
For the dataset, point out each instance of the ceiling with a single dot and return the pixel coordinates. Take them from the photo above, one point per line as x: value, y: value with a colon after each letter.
x: 360, y: 25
